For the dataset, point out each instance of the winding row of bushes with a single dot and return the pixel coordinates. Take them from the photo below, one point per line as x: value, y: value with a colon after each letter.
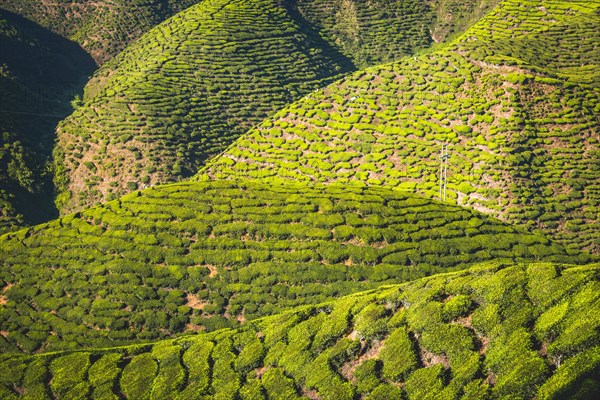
x: 194, y: 256
x: 463, y: 335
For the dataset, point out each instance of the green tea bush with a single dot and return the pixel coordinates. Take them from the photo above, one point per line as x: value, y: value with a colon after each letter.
x: 138, y: 375
x: 398, y: 355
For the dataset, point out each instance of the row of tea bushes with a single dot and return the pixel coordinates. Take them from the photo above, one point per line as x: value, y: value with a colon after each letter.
x: 523, y: 143
x: 491, y: 332
x: 194, y: 256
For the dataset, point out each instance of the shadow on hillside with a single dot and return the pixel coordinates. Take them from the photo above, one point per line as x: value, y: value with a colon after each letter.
x: 317, y: 41
x: 40, y: 74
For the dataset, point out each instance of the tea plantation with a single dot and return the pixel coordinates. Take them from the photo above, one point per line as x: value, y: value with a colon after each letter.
x: 312, y: 255
x: 555, y: 37
x: 495, y: 331
x: 373, y: 32
x: 184, y: 91
x: 196, y: 256
x: 102, y: 27
x: 523, y: 138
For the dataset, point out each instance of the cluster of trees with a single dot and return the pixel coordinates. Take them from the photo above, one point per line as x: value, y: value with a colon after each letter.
x: 465, y: 334
x: 201, y: 255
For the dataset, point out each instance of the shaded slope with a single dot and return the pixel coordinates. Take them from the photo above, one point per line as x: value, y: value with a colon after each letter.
x: 373, y: 32
x: 463, y: 335
x: 194, y: 256
x: 103, y: 28
x: 40, y: 72
x: 182, y: 93
x: 524, y: 143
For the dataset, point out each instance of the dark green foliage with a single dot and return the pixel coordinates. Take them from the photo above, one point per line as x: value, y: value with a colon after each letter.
x: 40, y: 73
x: 572, y: 376
x: 102, y: 28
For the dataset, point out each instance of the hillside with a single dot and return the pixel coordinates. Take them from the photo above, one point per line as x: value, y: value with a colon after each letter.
x: 102, y: 27
x: 522, y: 132
x: 374, y: 32
x: 492, y: 332
x: 183, y: 92
x: 194, y: 256
x: 40, y: 73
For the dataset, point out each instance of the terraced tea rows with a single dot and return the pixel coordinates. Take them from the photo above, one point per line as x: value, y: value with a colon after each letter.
x: 524, y: 145
x: 102, y: 27
x: 491, y: 332
x: 187, y: 89
x: 182, y: 93
x: 195, y: 256
x: 374, y: 32
x: 559, y: 37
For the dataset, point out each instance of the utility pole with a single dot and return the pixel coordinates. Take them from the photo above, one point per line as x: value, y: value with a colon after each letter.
x: 444, y: 156
x: 441, y: 169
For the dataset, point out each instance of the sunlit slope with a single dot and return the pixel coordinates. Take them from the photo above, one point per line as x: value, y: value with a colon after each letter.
x: 523, y: 142
x: 195, y: 256
x: 556, y: 37
x: 182, y: 93
x: 188, y: 88
x: 40, y: 72
x: 491, y: 332
x: 102, y: 27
